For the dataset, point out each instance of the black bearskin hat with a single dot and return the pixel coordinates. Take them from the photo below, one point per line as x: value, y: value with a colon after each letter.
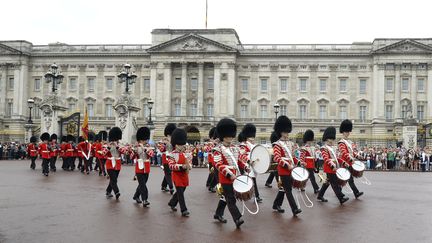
x: 70, y: 138
x: 241, y: 137
x: 115, y: 134
x: 45, y: 136
x: 345, y: 126
x: 143, y: 133
x: 170, y: 127
x: 178, y: 137
x: 274, y: 137
x: 53, y: 136
x: 103, y: 135
x: 97, y: 138
x: 81, y: 139
x: 226, y: 128
x: 212, y: 133
x: 91, y: 136
x: 33, y: 139
x: 282, y: 124
x: 329, y: 133
x: 308, y: 136
x: 64, y: 139
x: 249, y: 130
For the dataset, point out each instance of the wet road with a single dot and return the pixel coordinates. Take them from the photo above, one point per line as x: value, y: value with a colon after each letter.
x: 71, y: 207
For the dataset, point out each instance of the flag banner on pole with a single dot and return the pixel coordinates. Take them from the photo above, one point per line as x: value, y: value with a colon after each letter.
x: 84, y: 127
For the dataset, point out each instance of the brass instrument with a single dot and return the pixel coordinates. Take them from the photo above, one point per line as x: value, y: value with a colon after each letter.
x: 219, y: 190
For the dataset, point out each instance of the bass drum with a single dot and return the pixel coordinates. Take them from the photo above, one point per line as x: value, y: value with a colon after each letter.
x: 343, y: 176
x: 260, y: 159
x: 243, y: 188
x: 358, y: 168
x: 300, y: 176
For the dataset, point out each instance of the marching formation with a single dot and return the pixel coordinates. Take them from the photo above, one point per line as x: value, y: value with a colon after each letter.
x: 233, y: 167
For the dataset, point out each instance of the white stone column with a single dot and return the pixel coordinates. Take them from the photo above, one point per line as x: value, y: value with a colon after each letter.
x: 155, y: 87
x: 413, y: 89
x: 378, y: 92
x: 397, y: 80
x: 200, y: 89
x: 4, y: 80
x: 184, y: 90
x: 217, y: 92
x: 17, y: 93
x: 231, y: 97
x: 428, y: 114
x: 167, y: 89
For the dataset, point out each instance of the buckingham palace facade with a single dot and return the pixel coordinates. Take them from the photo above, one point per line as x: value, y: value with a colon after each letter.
x: 197, y: 76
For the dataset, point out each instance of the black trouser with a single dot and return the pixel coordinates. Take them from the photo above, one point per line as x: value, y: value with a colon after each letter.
x: 53, y: 162
x: 331, y: 180
x: 112, y: 186
x: 228, y: 192
x: 97, y: 165
x: 255, y: 187
x: 142, y: 186
x: 178, y: 197
x: 287, y: 186
x: 90, y: 163
x: 213, y: 178
x: 101, y: 163
x: 210, y: 175
x: 86, y: 165
x: 272, y: 175
x: 351, y: 182
x: 45, y: 166
x: 64, y: 163
x: 312, y: 179
x: 167, y: 181
x: 71, y: 163
x: 80, y: 163
x: 33, y: 162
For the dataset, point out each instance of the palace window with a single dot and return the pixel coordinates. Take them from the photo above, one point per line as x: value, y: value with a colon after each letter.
x: 389, y: 112
x: 90, y: 110
x: 322, y: 112
x: 342, y: 85
x: 109, y: 83
x: 362, y: 113
x: 264, y: 86
x: 404, y: 111
x: 9, y: 108
x: 389, y: 84
x: 91, y: 84
x: 323, y: 85
x: 303, y: 85
x: 283, y: 110
x: 420, y: 84
x: 244, y: 85
x: 210, y: 83
x: 405, y: 84
x: 178, y: 84
x: 362, y: 89
x: 243, y: 111
x: 193, y: 108
x: 37, y: 84
x: 302, y: 112
x: 177, y: 109
x: 420, y: 112
x: 72, y: 83
x: 146, y: 84
x: 194, y: 84
x: 11, y: 83
x: 263, y: 111
x: 283, y: 85
x: 343, y: 112
x: 209, y: 109
x: 146, y: 111
x: 109, y: 110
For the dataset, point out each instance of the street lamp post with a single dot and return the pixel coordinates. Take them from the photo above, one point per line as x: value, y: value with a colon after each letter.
x: 276, y: 109
x: 55, y: 76
x: 150, y: 106
x: 127, y: 76
x: 30, y: 103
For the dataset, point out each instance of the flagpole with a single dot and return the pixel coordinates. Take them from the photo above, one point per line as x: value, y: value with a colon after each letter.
x: 206, y: 14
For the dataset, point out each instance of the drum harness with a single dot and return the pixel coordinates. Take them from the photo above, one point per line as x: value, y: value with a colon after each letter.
x: 351, y: 151
x: 234, y: 163
x: 310, y: 203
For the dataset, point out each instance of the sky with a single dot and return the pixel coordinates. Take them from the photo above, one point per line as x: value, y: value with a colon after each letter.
x: 256, y: 22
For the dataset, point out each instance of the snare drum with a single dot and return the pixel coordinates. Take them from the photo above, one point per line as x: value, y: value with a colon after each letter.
x: 357, y: 169
x: 300, y: 176
x: 243, y: 188
x: 343, y: 176
x: 260, y: 159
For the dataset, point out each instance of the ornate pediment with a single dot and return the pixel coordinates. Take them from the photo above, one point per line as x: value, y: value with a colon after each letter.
x: 7, y: 50
x: 405, y: 47
x: 191, y: 43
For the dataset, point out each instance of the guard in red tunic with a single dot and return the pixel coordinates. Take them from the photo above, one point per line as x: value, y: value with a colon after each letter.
x: 113, y: 162
x: 142, y: 152
x: 32, y: 151
x: 44, y: 152
x: 228, y: 162
x: 63, y: 151
x: 273, y: 174
x: 84, y: 149
x: 331, y: 164
x: 347, y: 153
x: 180, y: 163
x: 79, y: 154
x: 55, y: 148
x: 69, y: 153
x: 165, y: 148
x: 283, y: 154
x: 102, y: 158
x: 307, y: 156
x: 212, y: 179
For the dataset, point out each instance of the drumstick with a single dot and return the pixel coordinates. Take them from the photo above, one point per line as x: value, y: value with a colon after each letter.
x: 295, y: 173
x: 242, y: 181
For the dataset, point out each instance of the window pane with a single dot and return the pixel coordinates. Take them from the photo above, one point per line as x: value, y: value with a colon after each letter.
x: 109, y: 84
x: 245, y: 84
x: 283, y: 85
x: 243, y: 111
x: 389, y: 84
x: 209, y: 109
x: 420, y: 84
x: 362, y: 115
x: 72, y: 106
x: 177, y: 110
x: 263, y: 111
x: 194, y: 84
x: 146, y: 111
x: 343, y: 112
x: 343, y: 85
x: 91, y: 84
x: 37, y: 84
x: 405, y: 84
x: 108, y: 110
x: 283, y: 110
x: 302, y: 111
x: 303, y: 84
x: 389, y: 112
x: 72, y: 83
x: 323, y: 85
x: 362, y: 86
x: 210, y: 83
x: 178, y: 83
x: 322, y: 111
x: 90, y: 110
x: 11, y: 83
x: 193, y: 109
x: 264, y: 85
x: 404, y: 111
x: 420, y: 112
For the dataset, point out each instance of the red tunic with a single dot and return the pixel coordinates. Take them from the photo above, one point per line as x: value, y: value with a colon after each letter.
x: 329, y: 161
x: 32, y: 150
x: 146, y: 169
x: 84, y: 148
x: 54, y: 149
x: 224, y: 165
x: 180, y: 176
x: 307, y: 157
x: 163, y: 149
x: 344, y: 153
x: 43, y: 151
x: 62, y: 150
x: 69, y: 150
x: 97, y: 150
x: 281, y: 157
x: 110, y: 158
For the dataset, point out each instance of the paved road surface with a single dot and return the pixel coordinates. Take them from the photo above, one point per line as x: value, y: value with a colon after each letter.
x: 71, y: 207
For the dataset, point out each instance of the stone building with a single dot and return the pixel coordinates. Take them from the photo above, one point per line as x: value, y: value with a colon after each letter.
x: 195, y: 77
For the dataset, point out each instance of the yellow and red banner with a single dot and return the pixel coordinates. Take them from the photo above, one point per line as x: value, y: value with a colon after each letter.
x: 84, y: 127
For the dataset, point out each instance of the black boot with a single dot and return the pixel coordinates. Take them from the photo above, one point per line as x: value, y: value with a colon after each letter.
x: 137, y: 199
x: 358, y: 194
x: 322, y: 199
x: 342, y: 200
x: 238, y: 222
x: 185, y: 213
x: 297, y: 211
x: 220, y: 218
x: 146, y: 203
x: 278, y: 209
x: 258, y: 199
x: 117, y: 195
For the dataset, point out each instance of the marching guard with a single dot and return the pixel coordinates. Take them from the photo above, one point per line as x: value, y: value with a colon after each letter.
x: 347, y: 153
x: 331, y: 164
x: 165, y: 148
x: 228, y: 162
x: 307, y: 155
x: 113, y: 162
x: 44, y: 152
x: 273, y: 174
x: 283, y: 151
x: 142, y: 152
x: 180, y: 163
x: 55, y: 148
x: 212, y: 179
x: 32, y: 151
